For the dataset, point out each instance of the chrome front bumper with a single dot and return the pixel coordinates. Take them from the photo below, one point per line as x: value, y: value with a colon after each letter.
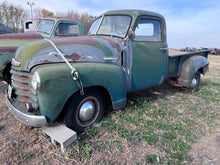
x: 31, y: 120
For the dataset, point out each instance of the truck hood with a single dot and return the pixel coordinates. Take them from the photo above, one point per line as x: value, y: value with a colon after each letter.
x: 75, y: 49
x: 17, y: 39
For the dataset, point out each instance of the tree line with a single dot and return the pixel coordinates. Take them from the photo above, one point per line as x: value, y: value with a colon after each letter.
x: 13, y: 16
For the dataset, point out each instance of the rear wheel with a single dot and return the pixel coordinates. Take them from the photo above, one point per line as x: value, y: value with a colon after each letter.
x: 195, y: 82
x: 83, y: 111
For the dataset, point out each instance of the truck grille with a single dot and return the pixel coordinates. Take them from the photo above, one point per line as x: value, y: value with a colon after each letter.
x: 22, y: 88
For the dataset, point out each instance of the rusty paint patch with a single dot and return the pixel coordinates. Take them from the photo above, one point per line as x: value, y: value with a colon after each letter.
x: 24, y: 98
x: 22, y: 84
x: 21, y: 77
x: 24, y: 91
x: 73, y: 56
x: 47, y: 61
x: 113, y: 44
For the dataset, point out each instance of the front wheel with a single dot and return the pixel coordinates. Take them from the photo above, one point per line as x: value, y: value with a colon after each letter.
x: 195, y: 82
x: 83, y: 111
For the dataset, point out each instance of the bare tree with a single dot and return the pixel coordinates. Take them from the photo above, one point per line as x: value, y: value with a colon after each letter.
x: 47, y: 13
x: 12, y: 16
x: 87, y: 20
x: 41, y: 12
x: 73, y: 14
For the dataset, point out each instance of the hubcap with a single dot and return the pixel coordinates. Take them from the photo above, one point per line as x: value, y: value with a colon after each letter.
x: 87, y: 111
x: 193, y: 83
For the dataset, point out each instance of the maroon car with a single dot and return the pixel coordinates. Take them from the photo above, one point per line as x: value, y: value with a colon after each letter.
x: 215, y: 52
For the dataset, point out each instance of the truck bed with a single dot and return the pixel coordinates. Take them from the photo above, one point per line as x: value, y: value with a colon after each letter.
x: 176, y: 58
x: 174, y: 52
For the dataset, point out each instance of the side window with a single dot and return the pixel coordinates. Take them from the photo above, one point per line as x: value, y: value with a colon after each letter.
x: 67, y: 29
x: 148, y: 30
x: 28, y: 25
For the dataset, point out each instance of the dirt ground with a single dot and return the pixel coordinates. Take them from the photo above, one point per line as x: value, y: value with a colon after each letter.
x: 207, y: 149
x: 17, y: 139
x: 18, y: 143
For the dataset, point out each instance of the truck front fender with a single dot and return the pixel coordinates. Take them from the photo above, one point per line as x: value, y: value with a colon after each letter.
x: 57, y: 85
x: 189, y: 68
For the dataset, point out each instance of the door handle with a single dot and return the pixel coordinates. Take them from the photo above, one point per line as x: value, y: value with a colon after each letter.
x: 164, y: 48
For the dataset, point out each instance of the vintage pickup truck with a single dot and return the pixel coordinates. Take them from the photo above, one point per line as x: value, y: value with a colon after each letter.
x: 73, y: 79
x: 50, y: 27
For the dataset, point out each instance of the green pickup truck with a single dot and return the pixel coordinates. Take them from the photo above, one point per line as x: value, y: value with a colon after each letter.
x: 50, y: 27
x: 73, y: 79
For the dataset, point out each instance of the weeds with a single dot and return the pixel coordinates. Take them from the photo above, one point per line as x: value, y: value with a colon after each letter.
x: 25, y: 156
x: 152, y: 159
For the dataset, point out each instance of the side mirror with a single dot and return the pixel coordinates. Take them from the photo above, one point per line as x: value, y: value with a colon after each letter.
x: 131, y: 34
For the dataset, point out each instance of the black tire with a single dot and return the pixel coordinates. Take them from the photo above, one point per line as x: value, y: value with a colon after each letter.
x: 196, y: 78
x: 77, y: 117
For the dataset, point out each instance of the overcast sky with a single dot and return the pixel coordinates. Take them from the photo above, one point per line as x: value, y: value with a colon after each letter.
x: 193, y: 23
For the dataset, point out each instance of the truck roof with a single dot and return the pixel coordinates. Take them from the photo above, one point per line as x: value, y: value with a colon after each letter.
x: 60, y: 18
x: 134, y: 13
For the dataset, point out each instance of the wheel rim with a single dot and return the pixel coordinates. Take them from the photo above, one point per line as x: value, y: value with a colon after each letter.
x: 194, y: 83
x: 88, y: 111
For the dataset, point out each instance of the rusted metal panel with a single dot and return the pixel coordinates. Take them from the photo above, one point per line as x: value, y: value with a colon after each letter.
x: 189, y: 67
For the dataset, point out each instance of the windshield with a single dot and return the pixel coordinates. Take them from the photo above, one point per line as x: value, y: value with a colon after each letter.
x: 116, y: 25
x: 94, y: 27
x: 46, y: 26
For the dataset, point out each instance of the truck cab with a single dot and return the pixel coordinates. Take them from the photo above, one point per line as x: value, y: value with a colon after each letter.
x: 75, y: 78
x: 52, y: 27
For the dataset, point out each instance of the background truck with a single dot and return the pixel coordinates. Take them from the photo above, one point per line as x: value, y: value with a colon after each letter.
x: 32, y: 25
x: 74, y: 79
x: 49, y: 27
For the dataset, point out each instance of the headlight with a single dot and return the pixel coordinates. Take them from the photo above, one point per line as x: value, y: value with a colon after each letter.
x: 35, y: 80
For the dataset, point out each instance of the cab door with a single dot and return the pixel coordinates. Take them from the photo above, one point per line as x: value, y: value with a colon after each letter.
x: 149, y: 53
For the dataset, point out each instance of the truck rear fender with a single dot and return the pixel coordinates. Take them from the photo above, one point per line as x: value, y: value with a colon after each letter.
x: 189, y: 67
